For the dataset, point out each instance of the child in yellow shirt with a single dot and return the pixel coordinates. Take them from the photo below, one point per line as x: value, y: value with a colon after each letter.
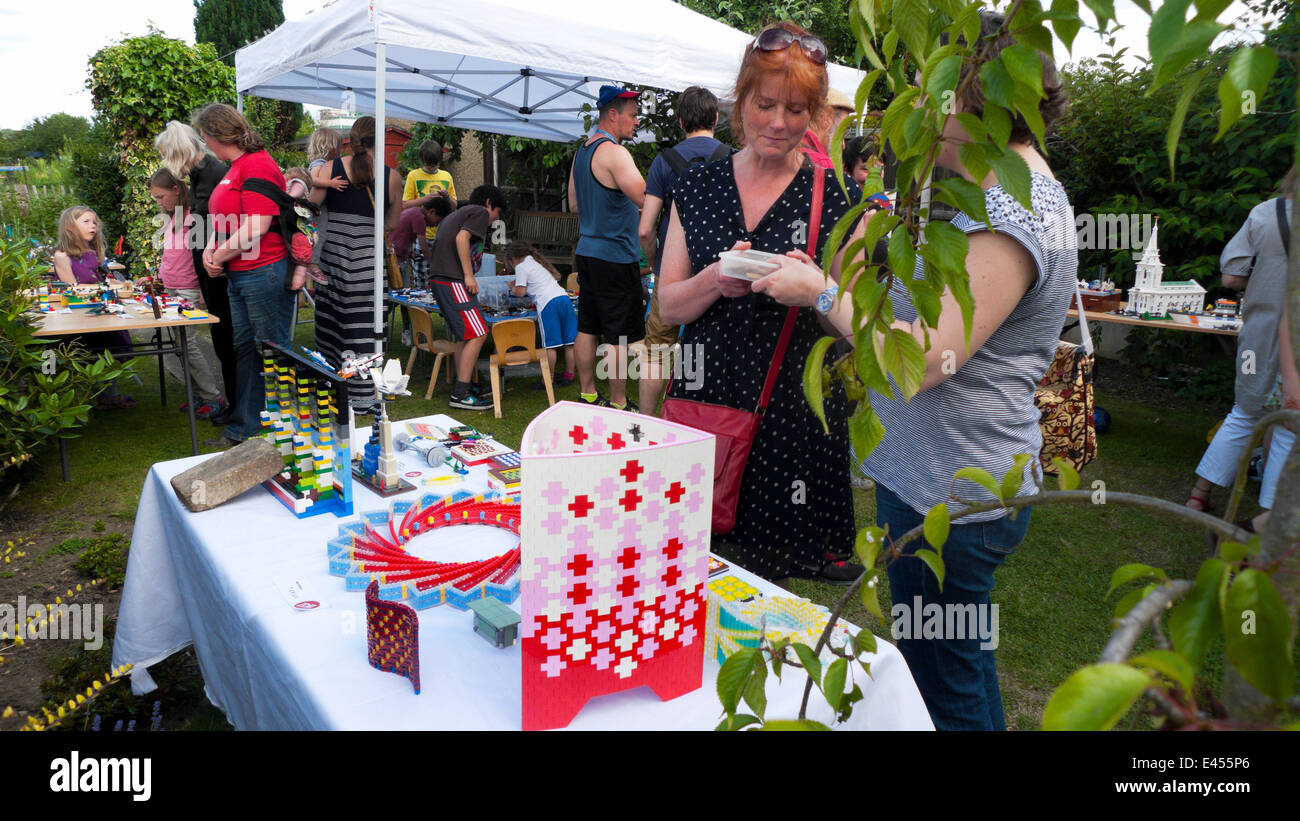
x: 423, y: 184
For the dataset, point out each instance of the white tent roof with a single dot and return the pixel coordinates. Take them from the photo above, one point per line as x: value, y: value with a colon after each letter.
x: 521, y: 67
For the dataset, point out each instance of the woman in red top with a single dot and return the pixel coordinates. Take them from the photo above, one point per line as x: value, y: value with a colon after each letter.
x: 252, y: 257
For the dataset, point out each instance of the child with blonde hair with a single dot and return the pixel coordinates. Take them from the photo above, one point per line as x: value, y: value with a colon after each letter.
x: 181, y: 280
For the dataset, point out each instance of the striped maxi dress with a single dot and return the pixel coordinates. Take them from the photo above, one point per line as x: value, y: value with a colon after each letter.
x: 345, y: 302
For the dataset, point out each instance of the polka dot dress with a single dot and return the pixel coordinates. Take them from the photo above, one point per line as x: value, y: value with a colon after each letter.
x: 795, y: 499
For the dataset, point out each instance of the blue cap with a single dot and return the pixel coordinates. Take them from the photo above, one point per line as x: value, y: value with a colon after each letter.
x: 609, y: 94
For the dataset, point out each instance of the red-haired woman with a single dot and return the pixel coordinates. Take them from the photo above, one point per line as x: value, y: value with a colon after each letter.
x: 795, y: 511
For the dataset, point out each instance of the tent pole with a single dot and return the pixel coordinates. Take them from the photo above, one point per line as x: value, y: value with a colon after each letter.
x: 381, y: 175
x: 239, y: 102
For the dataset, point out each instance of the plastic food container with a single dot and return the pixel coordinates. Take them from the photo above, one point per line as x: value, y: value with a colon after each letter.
x: 748, y: 265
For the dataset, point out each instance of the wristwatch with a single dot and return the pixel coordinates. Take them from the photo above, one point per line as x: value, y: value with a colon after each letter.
x: 826, y: 299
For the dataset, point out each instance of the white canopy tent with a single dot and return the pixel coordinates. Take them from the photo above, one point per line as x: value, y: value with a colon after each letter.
x: 519, y: 67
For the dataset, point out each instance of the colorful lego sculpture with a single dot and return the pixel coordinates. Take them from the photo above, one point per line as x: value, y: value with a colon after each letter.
x: 616, y: 517
x: 372, y: 550
x: 303, y: 421
x: 495, y: 622
x: 737, y: 620
x: 392, y: 637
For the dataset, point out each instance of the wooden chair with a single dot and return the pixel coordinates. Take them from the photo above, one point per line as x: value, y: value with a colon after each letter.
x: 554, y: 233
x: 422, y: 339
x: 514, y: 341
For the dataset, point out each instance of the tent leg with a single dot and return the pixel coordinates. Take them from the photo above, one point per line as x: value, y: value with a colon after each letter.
x: 381, y: 176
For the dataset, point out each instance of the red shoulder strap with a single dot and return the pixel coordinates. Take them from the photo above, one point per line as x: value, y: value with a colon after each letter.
x: 787, y: 330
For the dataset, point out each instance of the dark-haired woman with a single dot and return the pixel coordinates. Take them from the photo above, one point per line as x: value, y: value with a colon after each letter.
x: 252, y: 257
x: 975, y: 407
x: 345, y: 302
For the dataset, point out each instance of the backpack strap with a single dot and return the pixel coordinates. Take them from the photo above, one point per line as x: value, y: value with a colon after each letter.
x: 721, y: 152
x: 1282, y: 228
x: 675, y: 160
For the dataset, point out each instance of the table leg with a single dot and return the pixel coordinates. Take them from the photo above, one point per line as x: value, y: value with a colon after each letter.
x: 63, y: 460
x: 162, y: 373
x: 189, y: 391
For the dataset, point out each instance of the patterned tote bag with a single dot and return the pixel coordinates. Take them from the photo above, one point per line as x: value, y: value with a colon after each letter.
x: 1064, y: 400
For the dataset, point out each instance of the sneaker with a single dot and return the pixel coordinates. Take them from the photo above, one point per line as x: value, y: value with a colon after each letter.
x: 564, y: 380
x: 630, y: 407
x: 834, y: 569
x: 471, y: 402
x: 481, y: 390
x: 208, y: 409
x: 599, y: 401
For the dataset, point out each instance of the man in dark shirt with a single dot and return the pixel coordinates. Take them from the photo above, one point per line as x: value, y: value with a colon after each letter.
x: 457, y: 252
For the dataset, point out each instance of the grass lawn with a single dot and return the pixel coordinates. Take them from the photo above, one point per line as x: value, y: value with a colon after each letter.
x: 1053, y: 615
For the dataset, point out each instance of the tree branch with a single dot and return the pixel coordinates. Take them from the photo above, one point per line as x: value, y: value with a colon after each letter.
x: 1135, y: 621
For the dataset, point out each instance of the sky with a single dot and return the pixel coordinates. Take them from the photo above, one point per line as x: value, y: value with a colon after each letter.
x: 45, y: 45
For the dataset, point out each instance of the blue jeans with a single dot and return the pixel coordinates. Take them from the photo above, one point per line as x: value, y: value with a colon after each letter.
x: 260, y: 309
x: 957, y: 677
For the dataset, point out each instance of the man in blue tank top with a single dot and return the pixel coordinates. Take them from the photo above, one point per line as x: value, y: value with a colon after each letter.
x: 606, y: 190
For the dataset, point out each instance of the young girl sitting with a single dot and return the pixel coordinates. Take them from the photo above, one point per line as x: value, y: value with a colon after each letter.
x: 536, y: 278
x: 77, y: 257
x: 180, y: 280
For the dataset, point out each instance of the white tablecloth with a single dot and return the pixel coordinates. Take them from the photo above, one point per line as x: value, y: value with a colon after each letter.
x: 213, y: 579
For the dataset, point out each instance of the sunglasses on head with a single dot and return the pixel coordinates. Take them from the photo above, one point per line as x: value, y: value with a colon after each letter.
x: 779, y: 39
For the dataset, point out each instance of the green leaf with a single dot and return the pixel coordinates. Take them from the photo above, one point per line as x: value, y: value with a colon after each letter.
x: 833, y: 683
x: 911, y: 19
x: 1244, y: 84
x: 1067, y: 477
x: 1257, y: 635
x: 1013, y: 175
x: 754, y: 693
x: 1211, y: 9
x: 974, y: 158
x: 1195, y: 621
x: 1015, y: 477
x: 1168, y: 664
x: 982, y: 478
x: 998, y: 122
x: 964, y: 195
x: 735, y: 722
x: 1166, y: 26
x: 810, y: 662
x: 1067, y: 25
x: 890, y: 44
x: 867, y: 365
x: 812, y: 379
x: 1025, y: 66
x: 867, y: 8
x: 732, y: 677
x: 936, y: 527
x: 1130, y: 599
x: 933, y: 561
x: 943, y: 77
x: 902, y: 256
x: 1193, y: 42
x: 842, y: 226
x: 865, y: 430
x: 927, y: 302
x: 891, y: 124
x: 1236, y: 552
x: 1133, y: 572
x: 865, y: 87
x: 946, y: 246
x: 1094, y: 698
x: 1190, y: 85
x: 864, y: 641
x: 867, y: 545
x: 997, y: 83
x: 788, y: 726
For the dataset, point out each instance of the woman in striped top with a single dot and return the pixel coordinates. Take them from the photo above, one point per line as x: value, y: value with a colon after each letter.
x: 975, y: 407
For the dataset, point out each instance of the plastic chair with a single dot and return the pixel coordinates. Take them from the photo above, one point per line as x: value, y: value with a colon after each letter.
x: 422, y: 339
x: 571, y: 283
x: 514, y: 341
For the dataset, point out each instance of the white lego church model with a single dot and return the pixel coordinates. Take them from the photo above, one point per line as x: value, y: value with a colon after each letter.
x: 1151, y: 295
